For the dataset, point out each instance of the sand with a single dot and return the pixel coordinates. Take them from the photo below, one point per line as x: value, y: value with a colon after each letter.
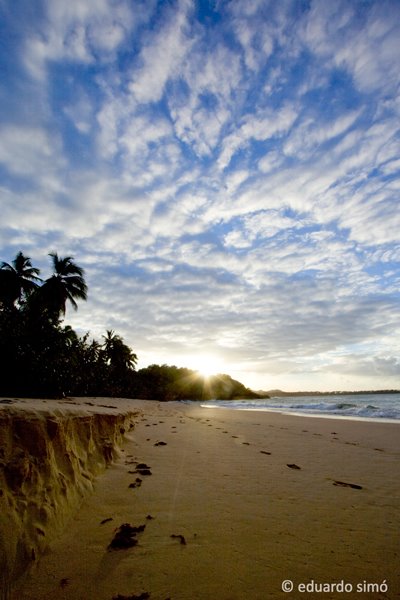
x: 50, y: 455
x: 236, y: 503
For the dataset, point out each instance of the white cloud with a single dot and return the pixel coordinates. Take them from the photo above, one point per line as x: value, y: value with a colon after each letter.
x: 261, y: 126
x: 28, y: 151
x: 310, y: 135
x: 140, y: 132
x: 77, y: 31
x: 212, y: 76
x: 81, y: 113
x: 360, y: 38
x: 162, y: 57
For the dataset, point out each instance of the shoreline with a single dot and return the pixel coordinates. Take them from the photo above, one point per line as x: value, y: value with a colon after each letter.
x: 258, y: 498
x: 309, y: 415
x: 379, y: 408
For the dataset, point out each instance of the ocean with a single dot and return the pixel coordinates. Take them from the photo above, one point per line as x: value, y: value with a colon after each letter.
x: 376, y: 407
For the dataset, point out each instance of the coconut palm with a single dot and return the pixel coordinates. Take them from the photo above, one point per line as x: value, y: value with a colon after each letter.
x: 18, y: 280
x: 118, y: 354
x: 66, y: 283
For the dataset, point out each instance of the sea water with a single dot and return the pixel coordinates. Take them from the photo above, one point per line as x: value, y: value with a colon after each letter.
x: 354, y: 406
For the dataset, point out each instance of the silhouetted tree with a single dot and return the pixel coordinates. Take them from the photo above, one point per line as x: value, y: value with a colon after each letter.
x: 41, y: 357
x: 17, y: 280
x: 118, y: 355
x: 66, y: 283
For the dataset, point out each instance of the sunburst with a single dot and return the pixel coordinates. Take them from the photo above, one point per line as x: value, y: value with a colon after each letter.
x: 207, y: 365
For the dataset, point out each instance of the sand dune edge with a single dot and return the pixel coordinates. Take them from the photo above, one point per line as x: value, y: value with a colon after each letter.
x: 51, y: 452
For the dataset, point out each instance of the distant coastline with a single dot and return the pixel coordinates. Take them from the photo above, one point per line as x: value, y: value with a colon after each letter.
x: 281, y: 393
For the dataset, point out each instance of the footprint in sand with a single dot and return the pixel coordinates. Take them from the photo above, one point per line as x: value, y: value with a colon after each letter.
x: 265, y: 452
x: 136, y: 483
x: 143, y: 471
x: 293, y: 466
x: 180, y: 537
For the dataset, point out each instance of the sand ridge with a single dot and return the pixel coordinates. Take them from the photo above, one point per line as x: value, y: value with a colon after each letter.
x: 50, y: 454
x: 222, y: 513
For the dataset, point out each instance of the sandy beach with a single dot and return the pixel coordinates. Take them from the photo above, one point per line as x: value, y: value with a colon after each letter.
x: 233, y: 503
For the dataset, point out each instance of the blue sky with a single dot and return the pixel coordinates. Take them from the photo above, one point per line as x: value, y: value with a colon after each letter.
x: 227, y: 173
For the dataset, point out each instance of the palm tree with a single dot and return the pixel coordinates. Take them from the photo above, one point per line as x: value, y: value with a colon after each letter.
x: 118, y: 354
x: 18, y: 280
x: 66, y: 283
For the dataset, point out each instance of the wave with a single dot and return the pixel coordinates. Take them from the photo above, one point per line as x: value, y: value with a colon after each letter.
x: 375, y: 406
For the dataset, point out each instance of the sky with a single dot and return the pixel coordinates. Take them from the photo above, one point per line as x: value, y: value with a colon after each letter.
x: 226, y: 172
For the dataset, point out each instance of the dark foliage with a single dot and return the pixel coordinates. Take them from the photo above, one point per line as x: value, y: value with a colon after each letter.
x: 41, y: 357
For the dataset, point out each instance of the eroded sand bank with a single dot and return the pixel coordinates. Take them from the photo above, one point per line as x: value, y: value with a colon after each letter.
x: 233, y: 503
x: 50, y: 454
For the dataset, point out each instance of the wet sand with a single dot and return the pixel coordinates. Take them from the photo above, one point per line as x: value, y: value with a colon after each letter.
x: 233, y: 503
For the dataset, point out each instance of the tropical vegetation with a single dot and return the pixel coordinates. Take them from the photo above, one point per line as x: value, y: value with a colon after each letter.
x: 41, y: 356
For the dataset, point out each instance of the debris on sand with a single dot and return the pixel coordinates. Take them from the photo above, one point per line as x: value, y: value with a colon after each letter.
x: 125, y: 537
x: 354, y: 486
x: 143, y: 596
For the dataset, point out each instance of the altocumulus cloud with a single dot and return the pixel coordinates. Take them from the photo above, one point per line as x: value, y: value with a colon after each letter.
x: 227, y: 174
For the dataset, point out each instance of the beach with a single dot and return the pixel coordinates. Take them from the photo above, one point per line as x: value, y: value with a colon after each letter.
x: 230, y: 504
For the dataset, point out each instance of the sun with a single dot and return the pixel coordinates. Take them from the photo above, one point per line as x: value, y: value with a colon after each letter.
x: 207, y: 365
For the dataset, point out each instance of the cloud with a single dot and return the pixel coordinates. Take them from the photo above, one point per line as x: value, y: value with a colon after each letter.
x: 81, y: 113
x: 202, y: 106
x: 359, y: 38
x: 263, y: 126
x: 77, y: 31
x: 27, y: 151
x: 162, y: 56
x: 229, y: 182
x: 309, y: 136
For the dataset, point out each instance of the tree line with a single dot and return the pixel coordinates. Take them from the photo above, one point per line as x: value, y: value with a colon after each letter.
x: 40, y: 356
